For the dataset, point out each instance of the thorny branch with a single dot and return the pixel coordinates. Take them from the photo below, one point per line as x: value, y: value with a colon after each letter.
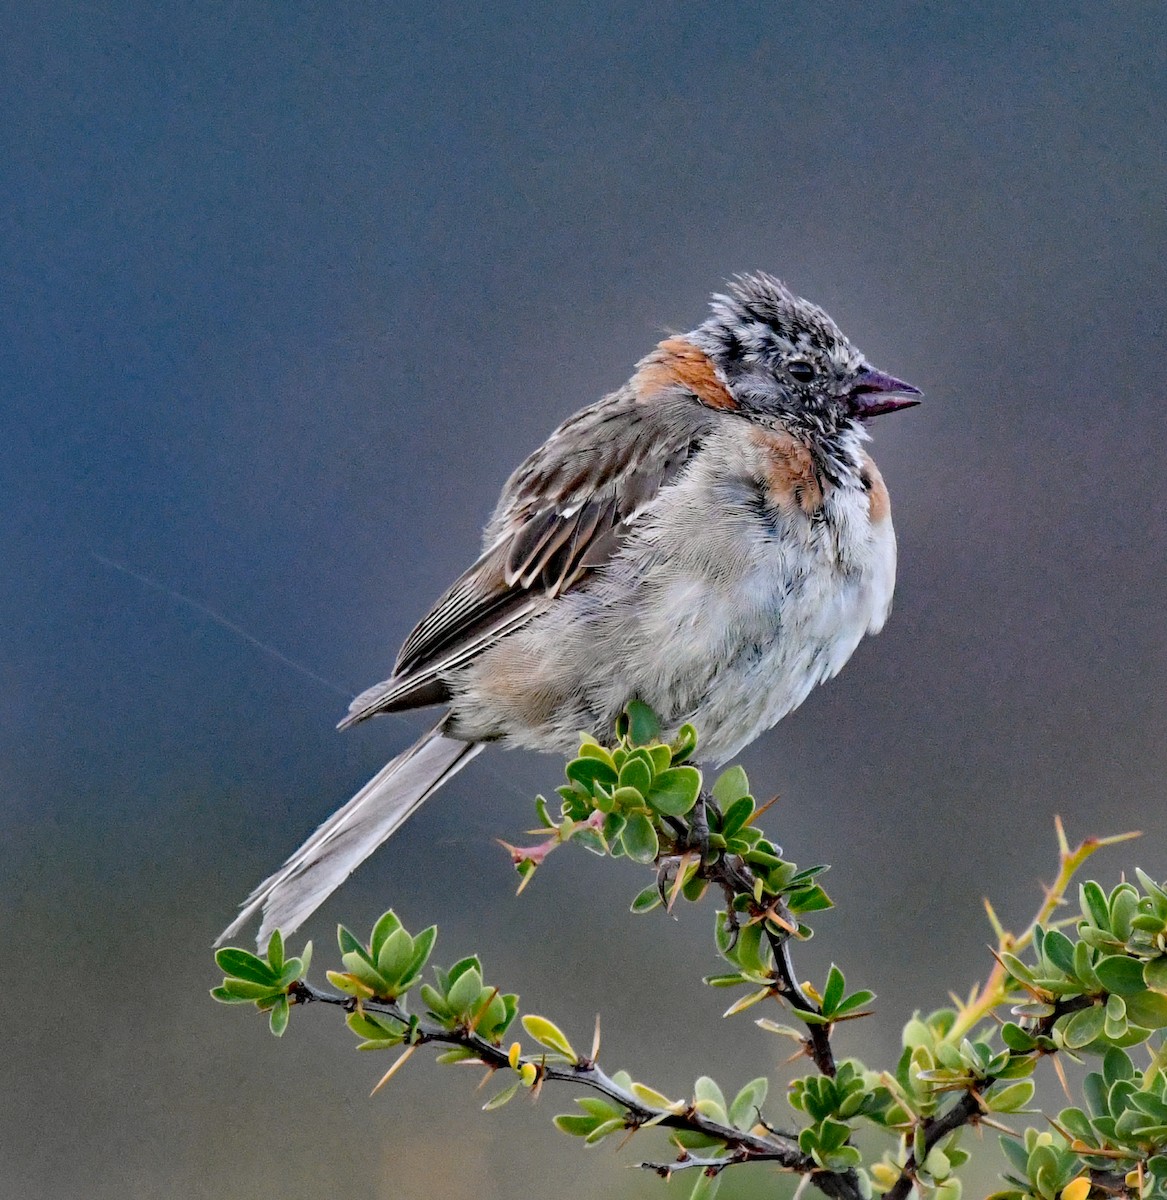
x: 735, y: 879
x: 776, y: 1146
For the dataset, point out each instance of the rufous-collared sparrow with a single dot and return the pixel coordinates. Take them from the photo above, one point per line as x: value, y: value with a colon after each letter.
x: 711, y: 538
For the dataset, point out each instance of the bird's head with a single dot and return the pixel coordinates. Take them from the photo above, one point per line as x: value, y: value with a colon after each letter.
x: 785, y: 361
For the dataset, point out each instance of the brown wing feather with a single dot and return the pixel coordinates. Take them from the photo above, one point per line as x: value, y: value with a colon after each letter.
x: 562, y: 514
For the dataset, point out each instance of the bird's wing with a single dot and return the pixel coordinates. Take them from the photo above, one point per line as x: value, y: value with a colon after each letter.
x: 562, y: 514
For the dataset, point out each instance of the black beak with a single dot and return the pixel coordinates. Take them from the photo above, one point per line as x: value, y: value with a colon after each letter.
x: 874, y: 393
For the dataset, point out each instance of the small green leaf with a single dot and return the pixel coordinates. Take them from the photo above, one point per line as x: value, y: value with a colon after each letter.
x: 588, y: 771
x: 684, y: 743
x: 646, y: 900
x: 636, y: 774
x: 241, y: 964
x: 1148, y: 1010
x: 1120, y: 974
x: 501, y: 1098
x: 833, y: 991
x: 464, y: 992
x: 1155, y: 974
x: 387, y: 925
x: 709, y: 1100
x: 1093, y: 903
x: 628, y: 797
x: 1083, y: 1027
x: 1016, y: 1038
x: 394, y: 955
x: 575, y: 1124
x: 811, y: 899
x: 275, y: 951
x: 743, y: 1112
x: 546, y: 1033
x: 224, y: 996
x: 279, y: 1016
x: 853, y: 1002
x: 675, y: 791
x: 736, y: 815
x: 730, y: 786
x: 643, y: 726
x: 639, y: 839
x: 1012, y: 1098
x: 602, y: 1130
x: 349, y: 944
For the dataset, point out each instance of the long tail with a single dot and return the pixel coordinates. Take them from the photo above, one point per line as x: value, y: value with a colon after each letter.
x: 351, y: 834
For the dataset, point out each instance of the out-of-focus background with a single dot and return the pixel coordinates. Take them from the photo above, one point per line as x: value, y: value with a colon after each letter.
x: 288, y: 289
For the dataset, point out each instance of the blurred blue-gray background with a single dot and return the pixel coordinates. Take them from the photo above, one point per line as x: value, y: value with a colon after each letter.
x: 286, y: 290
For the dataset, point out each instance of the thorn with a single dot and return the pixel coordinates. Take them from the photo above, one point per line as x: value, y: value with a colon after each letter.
x: 1063, y: 844
x: 596, y: 1041
x: 679, y: 879
x: 632, y: 1129
x: 994, y: 921
x: 759, y: 811
x: 1060, y: 1071
x: 393, y: 1069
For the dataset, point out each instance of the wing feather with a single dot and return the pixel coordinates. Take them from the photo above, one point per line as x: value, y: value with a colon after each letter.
x: 562, y: 515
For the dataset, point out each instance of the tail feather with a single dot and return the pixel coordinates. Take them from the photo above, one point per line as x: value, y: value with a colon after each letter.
x: 351, y: 834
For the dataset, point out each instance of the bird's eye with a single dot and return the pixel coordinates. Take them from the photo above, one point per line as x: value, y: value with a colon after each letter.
x: 800, y: 371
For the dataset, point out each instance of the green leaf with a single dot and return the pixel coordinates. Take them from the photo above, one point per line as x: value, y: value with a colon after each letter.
x: 1083, y: 1027
x: 602, y: 1130
x: 349, y: 944
x: 423, y: 946
x: 736, y: 815
x: 643, y: 726
x: 227, y: 997
x: 501, y: 1098
x: 625, y: 798
x: 675, y: 791
x: 548, y: 1034
x: 1059, y: 950
x: 357, y: 965
x: 575, y: 1124
x: 588, y: 771
x: 275, y: 951
x: 595, y: 750
x: 394, y: 956
x: 730, y: 786
x: 811, y: 899
x: 709, y: 1099
x: 747, y: 952
x: 464, y: 992
x: 1155, y: 974
x: 1147, y: 1009
x: 279, y: 1016
x: 387, y: 925
x: 241, y: 964
x: 684, y: 743
x: 636, y: 774
x: 743, y: 1111
x: 639, y: 839
x: 853, y: 1002
x: 244, y: 989
x: 646, y: 900
x: 1012, y: 1098
x: 1016, y: 1038
x: 833, y: 990
x: 1093, y: 903
x: 1120, y: 974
